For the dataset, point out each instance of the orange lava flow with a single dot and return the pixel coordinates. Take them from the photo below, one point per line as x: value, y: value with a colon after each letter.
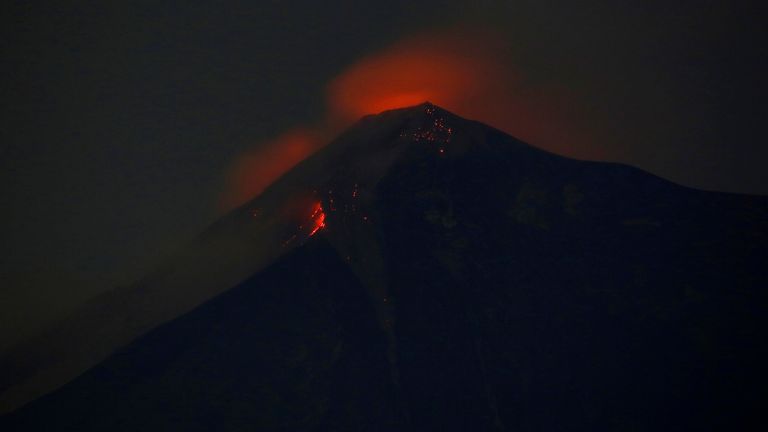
x: 318, y: 218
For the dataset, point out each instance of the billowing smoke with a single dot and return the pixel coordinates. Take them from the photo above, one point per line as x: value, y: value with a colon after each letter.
x: 467, y: 73
x: 254, y: 170
x: 449, y: 71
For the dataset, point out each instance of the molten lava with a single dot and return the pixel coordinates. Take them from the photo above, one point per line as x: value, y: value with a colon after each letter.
x: 317, y: 218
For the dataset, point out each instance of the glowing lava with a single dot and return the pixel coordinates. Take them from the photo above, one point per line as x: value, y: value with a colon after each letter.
x: 317, y: 218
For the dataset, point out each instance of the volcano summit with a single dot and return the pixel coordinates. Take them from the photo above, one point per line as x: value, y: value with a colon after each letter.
x: 426, y: 272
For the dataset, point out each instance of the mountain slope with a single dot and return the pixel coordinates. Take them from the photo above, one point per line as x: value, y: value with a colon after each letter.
x: 458, y: 279
x: 241, y: 243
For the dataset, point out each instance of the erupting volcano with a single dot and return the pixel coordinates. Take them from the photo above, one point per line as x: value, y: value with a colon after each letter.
x: 464, y: 72
x: 427, y: 272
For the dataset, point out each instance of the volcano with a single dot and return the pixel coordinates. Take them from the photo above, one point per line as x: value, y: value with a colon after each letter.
x: 427, y: 272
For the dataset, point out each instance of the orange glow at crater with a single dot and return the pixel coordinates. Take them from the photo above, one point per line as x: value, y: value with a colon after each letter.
x: 445, y: 70
x: 470, y: 74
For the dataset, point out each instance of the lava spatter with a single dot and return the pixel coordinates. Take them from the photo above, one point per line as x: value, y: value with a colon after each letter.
x: 438, y: 132
x: 309, y: 228
x: 318, y: 218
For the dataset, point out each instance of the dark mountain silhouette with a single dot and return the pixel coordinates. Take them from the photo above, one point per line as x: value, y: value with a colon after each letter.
x: 426, y: 272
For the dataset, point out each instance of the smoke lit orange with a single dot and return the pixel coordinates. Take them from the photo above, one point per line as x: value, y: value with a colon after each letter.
x: 252, y: 172
x: 445, y: 70
x: 468, y: 74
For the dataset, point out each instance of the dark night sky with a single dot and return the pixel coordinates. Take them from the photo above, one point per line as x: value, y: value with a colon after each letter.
x: 121, y: 119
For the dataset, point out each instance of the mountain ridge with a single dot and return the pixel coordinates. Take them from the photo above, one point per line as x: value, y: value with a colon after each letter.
x: 422, y: 208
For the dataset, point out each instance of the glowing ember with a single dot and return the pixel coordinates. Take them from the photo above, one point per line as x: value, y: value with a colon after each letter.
x: 438, y: 132
x: 318, y: 218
